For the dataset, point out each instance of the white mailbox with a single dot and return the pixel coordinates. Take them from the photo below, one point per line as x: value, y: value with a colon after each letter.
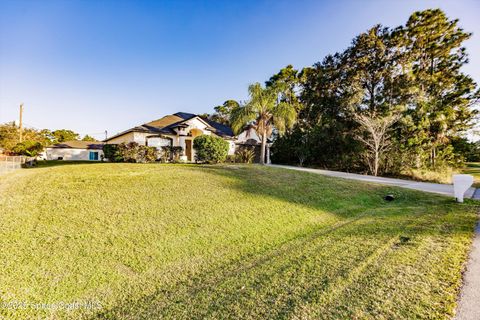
x: 461, y: 183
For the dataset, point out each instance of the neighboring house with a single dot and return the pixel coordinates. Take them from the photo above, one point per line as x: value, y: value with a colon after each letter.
x: 75, y: 150
x: 249, y: 137
x: 178, y: 129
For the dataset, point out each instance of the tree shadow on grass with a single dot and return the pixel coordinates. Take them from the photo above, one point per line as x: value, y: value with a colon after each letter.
x: 309, y: 268
x: 343, y: 197
x: 276, y: 283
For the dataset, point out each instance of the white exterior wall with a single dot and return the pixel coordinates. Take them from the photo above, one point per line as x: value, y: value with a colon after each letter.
x: 138, y: 137
x: 71, y: 154
x: 247, y: 135
x: 158, y: 142
x: 195, y: 123
x: 177, y: 140
x: 231, y: 147
x: 181, y: 143
x: 127, y: 137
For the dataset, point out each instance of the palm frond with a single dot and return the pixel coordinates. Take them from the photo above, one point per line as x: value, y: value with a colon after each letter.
x: 284, y: 116
x: 240, y: 117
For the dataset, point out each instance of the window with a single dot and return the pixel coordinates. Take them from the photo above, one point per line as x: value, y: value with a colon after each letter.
x: 93, y: 155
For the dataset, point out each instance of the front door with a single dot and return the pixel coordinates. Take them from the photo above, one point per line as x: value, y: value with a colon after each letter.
x: 188, y: 149
x: 93, y: 156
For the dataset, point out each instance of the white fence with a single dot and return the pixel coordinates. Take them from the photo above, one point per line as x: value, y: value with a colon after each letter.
x: 9, y: 163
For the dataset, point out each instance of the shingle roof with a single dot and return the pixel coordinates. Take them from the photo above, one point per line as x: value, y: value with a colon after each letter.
x: 221, y: 129
x: 166, y: 124
x: 185, y: 115
x: 165, y: 121
x: 78, y: 145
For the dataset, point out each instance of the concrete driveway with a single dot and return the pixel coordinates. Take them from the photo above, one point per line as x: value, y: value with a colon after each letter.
x: 444, y: 189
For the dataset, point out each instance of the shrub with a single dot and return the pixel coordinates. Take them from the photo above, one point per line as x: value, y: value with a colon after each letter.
x: 28, y: 148
x: 112, y: 153
x: 130, y: 152
x: 245, y: 154
x: 210, y: 149
x: 231, y: 158
x: 147, y: 154
x: 170, y: 153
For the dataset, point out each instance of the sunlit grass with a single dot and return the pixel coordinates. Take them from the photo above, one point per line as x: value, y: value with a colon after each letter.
x: 440, y: 175
x: 186, y: 241
x: 473, y: 168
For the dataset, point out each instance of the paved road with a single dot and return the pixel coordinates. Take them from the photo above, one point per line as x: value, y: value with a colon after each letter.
x: 469, y: 304
x: 444, y: 189
x: 476, y: 194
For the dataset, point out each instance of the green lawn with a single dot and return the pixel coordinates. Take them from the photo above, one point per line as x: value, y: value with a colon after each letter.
x: 473, y: 168
x: 185, y: 241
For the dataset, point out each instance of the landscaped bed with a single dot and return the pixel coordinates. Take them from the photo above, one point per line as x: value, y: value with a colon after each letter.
x: 186, y: 241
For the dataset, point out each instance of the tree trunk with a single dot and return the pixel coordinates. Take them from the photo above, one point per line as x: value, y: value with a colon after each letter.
x: 264, y: 147
x: 375, y: 165
x: 434, y: 157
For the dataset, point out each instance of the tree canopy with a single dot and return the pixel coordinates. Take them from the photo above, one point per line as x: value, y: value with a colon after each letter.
x: 33, y: 140
x: 266, y: 110
x: 411, y: 74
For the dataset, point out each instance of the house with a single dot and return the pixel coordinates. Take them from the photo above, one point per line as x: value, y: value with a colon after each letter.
x: 75, y: 150
x: 249, y: 138
x: 178, y: 129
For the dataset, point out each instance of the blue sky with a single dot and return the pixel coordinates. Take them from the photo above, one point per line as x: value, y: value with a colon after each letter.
x: 102, y: 65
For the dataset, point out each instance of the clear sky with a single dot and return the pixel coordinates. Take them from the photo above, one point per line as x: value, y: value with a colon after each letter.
x: 102, y: 65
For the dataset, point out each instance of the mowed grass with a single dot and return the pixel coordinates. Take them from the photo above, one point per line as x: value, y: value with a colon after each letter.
x: 473, y: 168
x: 185, y: 241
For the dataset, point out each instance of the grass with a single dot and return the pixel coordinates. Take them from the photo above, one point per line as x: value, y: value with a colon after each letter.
x: 185, y: 241
x: 445, y: 175
x: 473, y: 168
x: 441, y: 175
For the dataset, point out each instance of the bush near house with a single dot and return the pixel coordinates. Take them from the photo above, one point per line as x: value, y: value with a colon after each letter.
x: 130, y: 152
x: 245, y: 154
x: 111, y: 153
x: 171, y: 153
x: 210, y: 149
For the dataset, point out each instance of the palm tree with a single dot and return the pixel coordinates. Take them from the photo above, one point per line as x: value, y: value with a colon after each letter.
x: 265, y: 110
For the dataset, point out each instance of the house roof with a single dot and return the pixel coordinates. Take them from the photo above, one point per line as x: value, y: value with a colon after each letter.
x: 185, y: 115
x: 78, y: 145
x: 165, y: 125
x: 221, y: 128
x: 165, y: 121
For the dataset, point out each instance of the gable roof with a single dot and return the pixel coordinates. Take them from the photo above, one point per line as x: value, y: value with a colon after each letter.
x: 221, y: 129
x: 74, y: 144
x: 185, y: 115
x: 165, y: 121
x: 166, y: 124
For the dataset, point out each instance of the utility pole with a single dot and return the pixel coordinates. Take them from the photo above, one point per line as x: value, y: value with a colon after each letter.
x: 20, y: 124
x: 106, y: 135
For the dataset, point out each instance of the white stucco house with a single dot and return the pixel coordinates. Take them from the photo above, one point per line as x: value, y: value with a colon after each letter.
x: 74, y: 151
x: 180, y: 129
